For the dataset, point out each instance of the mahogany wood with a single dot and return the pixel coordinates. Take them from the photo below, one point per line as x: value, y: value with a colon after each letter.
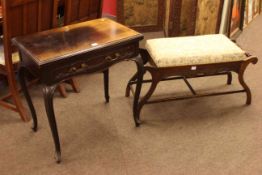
x: 59, y: 54
x: 68, y: 41
x: 185, y: 72
x: 78, y: 11
x: 61, y: 87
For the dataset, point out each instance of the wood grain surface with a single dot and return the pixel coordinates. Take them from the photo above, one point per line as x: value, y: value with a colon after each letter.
x: 74, y: 39
x: 208, y: 16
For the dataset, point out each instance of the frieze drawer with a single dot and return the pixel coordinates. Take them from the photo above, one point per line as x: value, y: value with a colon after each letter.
x: 94, y: 64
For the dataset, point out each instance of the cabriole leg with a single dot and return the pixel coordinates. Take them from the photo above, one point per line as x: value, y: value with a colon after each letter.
x: 140, y: 74
x: 48, y: 98
x: 241, y: 72
x: 155, y: 80
x: 22, y: 74
x: 106, y: 85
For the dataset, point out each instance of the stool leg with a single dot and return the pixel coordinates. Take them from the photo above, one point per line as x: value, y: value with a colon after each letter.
x: 246, y: 88
x: 229, y: 78
x: 144, y: 56
x: 129, y: 84
x: 156, y: 78
x: 140, y: 74
x: 244, y: 65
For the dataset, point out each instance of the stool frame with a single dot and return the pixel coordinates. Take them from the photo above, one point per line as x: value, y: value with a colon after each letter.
x: 159, y: 74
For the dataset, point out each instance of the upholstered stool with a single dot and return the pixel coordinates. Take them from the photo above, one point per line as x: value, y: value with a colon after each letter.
x: 194, y: 50
x: 191, y: 57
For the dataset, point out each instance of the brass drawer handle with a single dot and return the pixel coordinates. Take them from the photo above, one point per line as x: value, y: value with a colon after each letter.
x: 117, y: 55
x: 73, y: 69
x: 110, y: 58
x: 84, y: 65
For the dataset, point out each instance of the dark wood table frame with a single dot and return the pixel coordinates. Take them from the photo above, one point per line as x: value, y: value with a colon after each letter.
x: 90, y: 60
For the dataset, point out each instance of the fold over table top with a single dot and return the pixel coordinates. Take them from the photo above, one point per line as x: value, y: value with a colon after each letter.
x: 71, y: 40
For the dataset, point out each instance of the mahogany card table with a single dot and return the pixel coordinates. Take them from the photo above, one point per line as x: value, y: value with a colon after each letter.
x: 59, y: 54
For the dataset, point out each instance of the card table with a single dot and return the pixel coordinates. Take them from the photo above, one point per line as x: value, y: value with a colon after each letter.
x: 82, y: 48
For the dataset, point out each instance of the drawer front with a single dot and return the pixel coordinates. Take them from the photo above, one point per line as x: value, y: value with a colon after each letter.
x: 94, y: 63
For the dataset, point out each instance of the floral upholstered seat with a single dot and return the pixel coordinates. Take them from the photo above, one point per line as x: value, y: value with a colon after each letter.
x: 193, y: 50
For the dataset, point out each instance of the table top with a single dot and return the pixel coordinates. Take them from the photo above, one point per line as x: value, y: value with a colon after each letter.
x: 71, y: 40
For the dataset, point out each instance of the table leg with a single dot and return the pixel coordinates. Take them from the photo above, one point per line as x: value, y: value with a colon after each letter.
x: 48, y: 97
x: 140, y: 74
x: 106, y: 84
x: 22, y: 74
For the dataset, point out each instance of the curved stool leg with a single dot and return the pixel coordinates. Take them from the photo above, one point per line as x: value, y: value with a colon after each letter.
x: 229, y: 78
x: 48, y: 97
x: 155, y: 80
x: 128, y: 84
x: 144, y: 56
x: 244, y: 65
x: 22, y: 74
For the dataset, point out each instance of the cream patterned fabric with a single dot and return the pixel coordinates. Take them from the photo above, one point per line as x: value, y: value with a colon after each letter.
x: 193, y: 50
x: 15, y: 57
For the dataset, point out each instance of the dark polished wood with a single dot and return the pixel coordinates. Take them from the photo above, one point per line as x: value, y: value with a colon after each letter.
x: 73, y: 12
x: 186, y: 72
x: 78, y: 11
x: 59, y: 54
x: 60, y: 43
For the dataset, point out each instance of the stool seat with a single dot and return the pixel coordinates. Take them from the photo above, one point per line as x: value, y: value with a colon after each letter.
x: 193, y: 50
